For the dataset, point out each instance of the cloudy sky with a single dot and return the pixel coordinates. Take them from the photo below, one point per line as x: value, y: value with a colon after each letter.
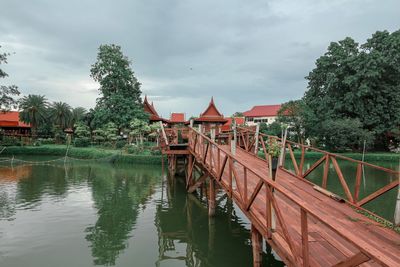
x: 243, y: 53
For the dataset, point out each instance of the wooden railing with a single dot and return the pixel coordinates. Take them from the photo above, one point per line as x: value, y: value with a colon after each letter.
x: 234, y: 176
x: 246, y: 136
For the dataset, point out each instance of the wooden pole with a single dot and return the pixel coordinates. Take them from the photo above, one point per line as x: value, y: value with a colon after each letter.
x: 163, y: 133
x: 256, y: 241
x: 256, y: 138
x: 212, y: 130
x: 233, y: 144
x: 283, y: 149
x: 211, y: 201
x: 397, y: 210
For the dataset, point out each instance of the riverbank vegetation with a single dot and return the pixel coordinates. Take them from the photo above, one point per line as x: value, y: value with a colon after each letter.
x: 118, y: 120
x: 352, y: 97
x: 144, y: 156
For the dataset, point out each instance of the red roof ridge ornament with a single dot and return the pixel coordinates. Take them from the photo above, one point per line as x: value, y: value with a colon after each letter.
x: 149, y: 108
x: 211, y: 114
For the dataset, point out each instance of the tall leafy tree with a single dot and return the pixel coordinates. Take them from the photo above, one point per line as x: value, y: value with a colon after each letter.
x: 33, y: 111
x: 358, y: 82
x: 119, y: 100
x: 7, y: 92
x: 60, y: 114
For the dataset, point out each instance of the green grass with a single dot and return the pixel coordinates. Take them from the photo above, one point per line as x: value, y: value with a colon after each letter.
x: 116, y: 156
x: 369, y: 156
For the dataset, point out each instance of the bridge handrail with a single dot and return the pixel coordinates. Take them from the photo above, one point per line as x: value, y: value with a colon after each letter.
x: 352, y: 197
x: 323, y: 151
x: 305, y: 208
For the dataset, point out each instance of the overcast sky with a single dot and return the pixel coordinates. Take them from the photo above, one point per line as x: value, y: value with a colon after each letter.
x: 243, y: 53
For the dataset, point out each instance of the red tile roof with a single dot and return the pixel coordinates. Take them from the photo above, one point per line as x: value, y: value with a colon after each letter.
x: 177, y: 118
x: 149, y: 108
x: 227, y: 126
x: 11, y: 119
x: 211, y: 114
x: 263, y: 111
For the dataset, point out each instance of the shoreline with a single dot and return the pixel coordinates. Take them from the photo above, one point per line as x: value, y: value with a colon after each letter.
x: 114, y: 156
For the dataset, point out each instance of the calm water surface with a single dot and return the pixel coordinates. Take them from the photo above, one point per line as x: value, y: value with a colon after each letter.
x: 87, y: 214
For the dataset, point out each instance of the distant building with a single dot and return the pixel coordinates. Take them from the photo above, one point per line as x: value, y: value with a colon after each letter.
x: 211, y: 117
x: 10, y: 124
x: 263, y: 113
x: 149, y: 109
x: 228, y: 125
x: 177, y: 119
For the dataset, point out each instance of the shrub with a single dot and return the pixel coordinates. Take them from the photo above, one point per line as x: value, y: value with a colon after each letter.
x: 46, y: 141
x: 10, y: 141
x: 133, y: 149
x: 82, y: 142
x: 120, y: 144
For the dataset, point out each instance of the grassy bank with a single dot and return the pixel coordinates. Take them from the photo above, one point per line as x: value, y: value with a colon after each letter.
x: 369, y: 156
x: 115, y: 156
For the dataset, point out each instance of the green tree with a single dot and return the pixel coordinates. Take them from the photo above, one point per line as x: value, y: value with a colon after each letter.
x: 120, y: 100
x: 352, y: 81
x: 345, y: 134
x: 294, y: 114
x: 274, y: 128
x: 7, y: 92
x: 138, y: 130
x: 81, y: 130
x: 78, y: 115
x: 33, y: 111
x: 238, y: 114
x: 60, y: 114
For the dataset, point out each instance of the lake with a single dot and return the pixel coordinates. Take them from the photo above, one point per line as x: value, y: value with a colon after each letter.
x: 88, y: 213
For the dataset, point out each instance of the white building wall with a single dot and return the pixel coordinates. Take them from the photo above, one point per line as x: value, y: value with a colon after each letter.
x: 253, y: 120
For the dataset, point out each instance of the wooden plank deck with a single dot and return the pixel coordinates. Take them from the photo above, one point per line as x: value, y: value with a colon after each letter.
x: 336, y: 233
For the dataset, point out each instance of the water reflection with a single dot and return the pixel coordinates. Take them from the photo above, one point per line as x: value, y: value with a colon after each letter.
x: 186, y: 233
x: 86, y: 214
x: 117, y: 196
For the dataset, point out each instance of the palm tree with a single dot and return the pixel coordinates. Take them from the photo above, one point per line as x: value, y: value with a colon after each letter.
x: 78, y: 114
x: 33, y: 111
x: 60, y: 114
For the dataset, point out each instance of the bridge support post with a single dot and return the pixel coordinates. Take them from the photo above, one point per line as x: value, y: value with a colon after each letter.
x: 256, y: 241
x: 211, y: 200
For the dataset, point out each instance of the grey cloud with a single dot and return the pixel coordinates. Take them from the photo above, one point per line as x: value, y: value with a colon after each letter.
x: 183, y: 52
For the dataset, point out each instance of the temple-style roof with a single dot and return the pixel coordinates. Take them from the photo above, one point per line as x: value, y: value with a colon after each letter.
x: 211, y: 114
x: 149, y: 108
x: 11, y: 119
x: 177, y: 118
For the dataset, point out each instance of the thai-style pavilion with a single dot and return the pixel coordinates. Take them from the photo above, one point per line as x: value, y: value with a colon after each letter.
x: 11, y: 125
x: 149, y: 108
x: 211, y: 118
x: 177, y: 119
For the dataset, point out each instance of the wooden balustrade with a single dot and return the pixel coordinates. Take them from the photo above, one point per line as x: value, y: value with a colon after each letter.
x: 328, y: 159
x: 233, y: 175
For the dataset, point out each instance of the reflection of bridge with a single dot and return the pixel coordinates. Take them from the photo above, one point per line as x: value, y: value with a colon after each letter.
x: 186, y: 234
x: 304, y: 223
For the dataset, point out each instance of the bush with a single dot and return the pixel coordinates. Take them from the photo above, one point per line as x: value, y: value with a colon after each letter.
x: 120, y: 144
x: 133, y: 149
x: 10, y: 141
x: 82, y: 142
x: 156, y: 152
x: 345, y: 134
x: 46, y: 141
x: 107, y: 145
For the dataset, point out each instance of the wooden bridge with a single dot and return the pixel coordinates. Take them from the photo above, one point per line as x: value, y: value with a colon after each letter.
x: 304, y: 223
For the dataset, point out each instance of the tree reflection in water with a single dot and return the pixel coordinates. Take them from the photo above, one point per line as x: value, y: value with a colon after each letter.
x: 182, y: 218
x: 117, y: 194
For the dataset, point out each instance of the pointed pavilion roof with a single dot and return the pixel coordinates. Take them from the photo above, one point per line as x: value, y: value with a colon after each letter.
x: 149, y: 108
x: 211, y: 114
